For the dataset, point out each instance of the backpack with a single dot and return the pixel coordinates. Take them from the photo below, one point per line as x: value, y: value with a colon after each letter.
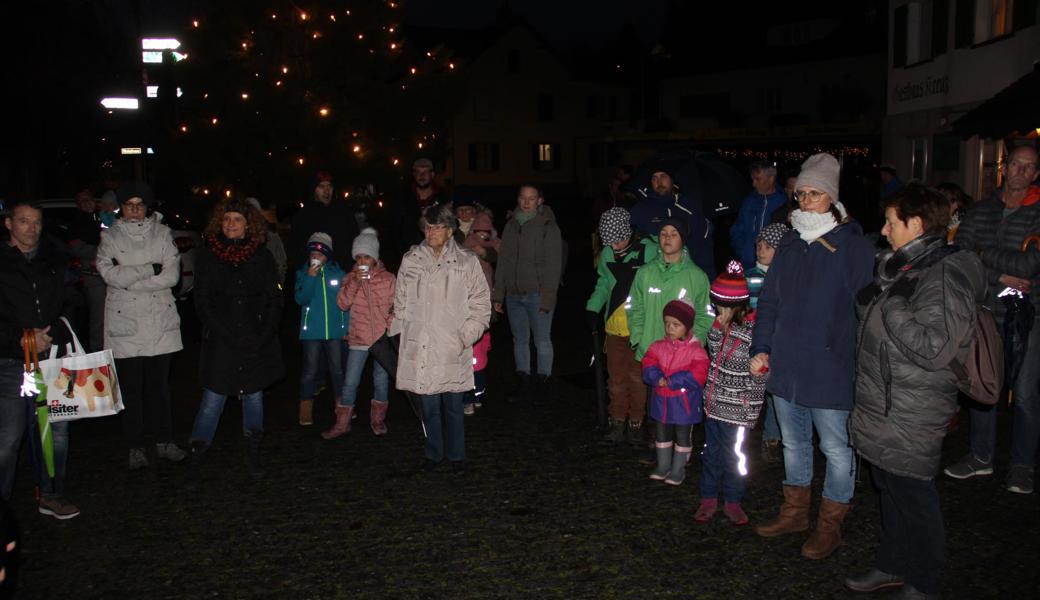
x: 980, y: 369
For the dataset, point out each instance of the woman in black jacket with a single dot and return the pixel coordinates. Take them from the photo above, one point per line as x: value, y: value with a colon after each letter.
x: 916, y: 317
x: 239, y: 301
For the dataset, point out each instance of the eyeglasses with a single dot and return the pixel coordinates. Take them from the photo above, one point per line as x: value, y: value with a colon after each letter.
x: 435, y: 227
x: 133, y: 205
x: 809, y: 195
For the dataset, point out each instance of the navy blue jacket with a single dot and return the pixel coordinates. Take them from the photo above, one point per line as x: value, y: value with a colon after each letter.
x: 806, y: 316
x: 652, y: 209
x: 755, y: 213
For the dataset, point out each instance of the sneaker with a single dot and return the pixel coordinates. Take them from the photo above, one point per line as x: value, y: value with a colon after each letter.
x: 138, y: 460
x: 170, y: 452
x: 968, y: 467
x: 1020, y: 479
x: 469, y: 410
x: 59, y: 508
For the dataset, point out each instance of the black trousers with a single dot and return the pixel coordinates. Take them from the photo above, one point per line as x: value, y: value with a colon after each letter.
x: 913, y: 538
x: 679, y: 434
x: 145, y: 384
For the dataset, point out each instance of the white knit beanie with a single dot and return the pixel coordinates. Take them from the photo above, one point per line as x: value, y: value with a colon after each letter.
x: 820, y: 171
x: 366, y: 242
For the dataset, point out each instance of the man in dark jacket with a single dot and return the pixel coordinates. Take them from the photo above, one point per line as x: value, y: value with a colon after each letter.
x: 663, y: 201
x: 917, y: 316
x: 756, y: 211
x: 324, y: 213
x: 416, y: 198
x: 32, y: 274
x: 996, y: 229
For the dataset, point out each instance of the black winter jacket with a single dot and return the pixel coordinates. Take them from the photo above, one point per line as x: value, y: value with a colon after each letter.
x: 912, y: 329
x: 239, y: 307
x: 32, y: 294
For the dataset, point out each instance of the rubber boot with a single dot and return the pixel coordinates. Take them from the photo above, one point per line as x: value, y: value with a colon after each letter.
x: 307, y: 412
x: 794, y: 513
x: 253, y: 463
x: 827, y: 536
x: 342, y: 424
x: 615, y: 432
x: 195, y: 460
x: 664, y: 460
x: 377, y: 417
x: 679, y: 460
x: 523, y: 388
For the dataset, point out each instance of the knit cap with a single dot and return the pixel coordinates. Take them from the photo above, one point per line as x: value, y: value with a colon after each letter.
x: 680, y: 225
x: 366, y: 242
x: 135, y: 189
x: 614, y: 226
x: 681, y: 310
x: 320, y: 242
x: 772, y: 233
x: 820, y: 171
x: 730, y: 288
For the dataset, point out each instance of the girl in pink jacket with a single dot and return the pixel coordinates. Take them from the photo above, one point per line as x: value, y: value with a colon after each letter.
x: 369, y: 296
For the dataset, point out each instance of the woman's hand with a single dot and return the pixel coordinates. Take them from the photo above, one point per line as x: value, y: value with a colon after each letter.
x: 759, y: 363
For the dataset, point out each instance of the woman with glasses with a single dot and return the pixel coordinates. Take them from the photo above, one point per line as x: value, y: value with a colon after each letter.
x: 805, y: 340
x: 140, y: 265
x: 442, y: 306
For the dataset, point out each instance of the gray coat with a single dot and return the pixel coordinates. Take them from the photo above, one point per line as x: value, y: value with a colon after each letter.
x: 906, y: 392
x: 530, y: 259
x: 442, y: 306
x: 141, y: 317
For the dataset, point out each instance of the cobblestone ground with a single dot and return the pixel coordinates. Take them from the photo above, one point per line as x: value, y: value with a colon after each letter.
x: 544, y: 512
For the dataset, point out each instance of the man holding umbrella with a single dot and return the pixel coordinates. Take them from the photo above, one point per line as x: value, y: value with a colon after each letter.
x: 32, y: 273
x: 996, y: 228
x: 663, y: 201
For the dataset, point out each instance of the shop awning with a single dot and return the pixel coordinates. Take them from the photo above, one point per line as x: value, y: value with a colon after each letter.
x: 1016, y: 108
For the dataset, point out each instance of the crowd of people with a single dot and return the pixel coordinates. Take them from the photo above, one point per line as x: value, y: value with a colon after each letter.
x: 810, y: 326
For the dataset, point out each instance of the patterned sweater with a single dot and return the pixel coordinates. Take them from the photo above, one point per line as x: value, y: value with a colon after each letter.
x: 732, y: 395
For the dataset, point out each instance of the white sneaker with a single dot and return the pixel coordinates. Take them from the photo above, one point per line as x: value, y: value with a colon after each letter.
x: 170, y: 452
x: 468, y: 410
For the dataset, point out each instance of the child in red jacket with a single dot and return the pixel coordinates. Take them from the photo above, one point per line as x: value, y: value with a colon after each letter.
x: 676, y: 369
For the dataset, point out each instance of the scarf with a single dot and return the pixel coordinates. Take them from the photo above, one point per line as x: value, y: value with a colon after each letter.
x: 233, y: 252
x: 761, y: 267
x: 523, y: 217
x: 464, y: 226
x: 812, y: 225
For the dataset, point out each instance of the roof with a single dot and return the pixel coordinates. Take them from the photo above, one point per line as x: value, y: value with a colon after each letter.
x: 1011, y: 110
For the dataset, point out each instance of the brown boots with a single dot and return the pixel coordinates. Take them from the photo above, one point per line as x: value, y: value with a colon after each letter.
x: 827, y: 536
x: 342, y: 424
x: 794, y: 514
x: 377, y: 417
x: 794, y: 518
x: 307, y: 412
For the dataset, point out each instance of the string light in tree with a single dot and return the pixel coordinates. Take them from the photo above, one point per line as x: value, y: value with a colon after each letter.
x: 214, y: 120
x: 195, y: 24
x: 323, y: 111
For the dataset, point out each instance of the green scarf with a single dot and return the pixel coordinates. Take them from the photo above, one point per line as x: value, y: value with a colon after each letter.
x: 523, y: 217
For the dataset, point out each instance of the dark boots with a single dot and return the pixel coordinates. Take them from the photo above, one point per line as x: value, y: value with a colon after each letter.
x: 615, y: 431
x: 253, y: 463
x: 523, y: 387
x: 195, y: 459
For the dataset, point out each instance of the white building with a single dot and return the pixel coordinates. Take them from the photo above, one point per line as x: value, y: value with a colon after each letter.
x: 945, y: 58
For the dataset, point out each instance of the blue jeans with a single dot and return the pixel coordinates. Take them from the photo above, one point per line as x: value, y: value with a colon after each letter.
x: 313, y: 373
x: 1025, y: 426
x: 524, y: 320
x: 356, y: 359
x: 720, y: 462
x: 796, y: 427
x: 443, y: 420
x: 212, y: 406
x: 17, y: 419
x: 770, y: 424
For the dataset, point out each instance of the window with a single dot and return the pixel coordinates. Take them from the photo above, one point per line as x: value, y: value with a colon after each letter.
x: 545, y: 107
x: 978, y: 21
x: 598, y: 154
x: 513, y: 61
x: 946, y: 153
x: 767, y: 100
x: 483, y: 157
x: 992, y: 19
x: 964, y: 23
x: 919, y: 31
x: 1025, y: 13
x: 918, y: 158
x: 546, y: 156
x: 703, y: 105
x: 899, y: 41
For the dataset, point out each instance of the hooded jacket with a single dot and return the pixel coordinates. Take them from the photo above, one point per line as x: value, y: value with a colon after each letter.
x: 371, y: 305
x: 32, y: 294
x: 530, y: 259
x: 683, y: 364
x: 614, y: 283
x: 141, y: 317
x: 653, y: 209
x: 657, y: 283
x: 906, y: 393
x: 755, y: 213
x: 442, y: 306
x: 806, y: 317
x: 320, y: 317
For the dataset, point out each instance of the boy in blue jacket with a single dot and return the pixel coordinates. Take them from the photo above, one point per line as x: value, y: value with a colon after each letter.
x: 322, y: 324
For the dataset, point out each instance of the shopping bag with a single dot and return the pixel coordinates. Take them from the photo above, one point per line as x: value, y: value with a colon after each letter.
x: 80, y: 385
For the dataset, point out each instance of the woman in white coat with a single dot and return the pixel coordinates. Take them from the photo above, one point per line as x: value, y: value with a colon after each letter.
x: 140, y: 264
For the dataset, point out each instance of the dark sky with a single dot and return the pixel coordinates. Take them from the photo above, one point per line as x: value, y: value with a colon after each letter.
x: 564, y: 23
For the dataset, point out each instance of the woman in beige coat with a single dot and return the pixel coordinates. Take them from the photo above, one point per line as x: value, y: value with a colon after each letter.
x: 442, y: 306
